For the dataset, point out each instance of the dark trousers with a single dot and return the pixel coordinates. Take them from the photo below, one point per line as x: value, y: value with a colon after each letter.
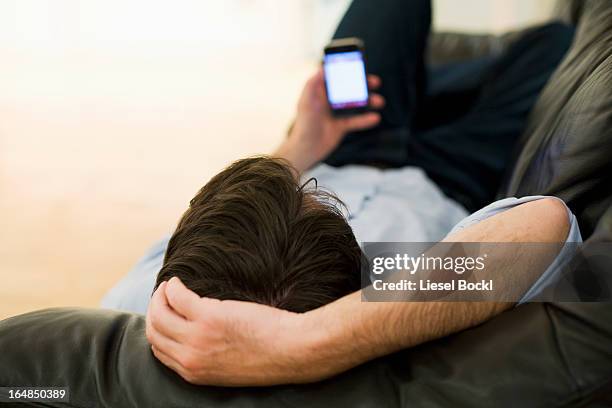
x: 460, y: 123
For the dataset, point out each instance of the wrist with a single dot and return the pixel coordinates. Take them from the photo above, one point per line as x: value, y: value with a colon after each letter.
x: 330, y: 341
x: 292, y: 151
x: 305, y: 147
x: 305, y: 345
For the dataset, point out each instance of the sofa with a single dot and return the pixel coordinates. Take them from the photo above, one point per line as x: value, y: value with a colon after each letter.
x: 547, y: 354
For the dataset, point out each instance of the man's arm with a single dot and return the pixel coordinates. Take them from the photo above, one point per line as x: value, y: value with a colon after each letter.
x: 235, y: 343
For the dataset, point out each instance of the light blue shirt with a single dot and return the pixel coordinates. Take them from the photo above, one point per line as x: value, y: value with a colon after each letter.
x: 397, y: 205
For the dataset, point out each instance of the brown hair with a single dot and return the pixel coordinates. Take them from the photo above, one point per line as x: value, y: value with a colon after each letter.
x: 254, y: 233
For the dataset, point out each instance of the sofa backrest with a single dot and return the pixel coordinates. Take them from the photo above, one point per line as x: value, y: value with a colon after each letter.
x: 566, y: 149
x: 568, y: 11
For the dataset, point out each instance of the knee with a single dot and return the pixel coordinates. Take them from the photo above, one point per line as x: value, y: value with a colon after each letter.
x: 555, y: 37
x: 557, y: 29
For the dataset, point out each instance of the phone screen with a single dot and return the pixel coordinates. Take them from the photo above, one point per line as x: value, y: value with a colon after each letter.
x: 346, y: 80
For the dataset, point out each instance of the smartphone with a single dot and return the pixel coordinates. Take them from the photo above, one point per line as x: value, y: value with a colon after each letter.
x: 346, y: 78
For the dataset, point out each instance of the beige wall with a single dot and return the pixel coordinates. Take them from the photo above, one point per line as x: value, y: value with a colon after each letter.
x: 489, y: 15
x: 463, y: 15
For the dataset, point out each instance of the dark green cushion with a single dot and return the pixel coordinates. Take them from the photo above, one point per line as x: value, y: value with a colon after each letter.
x: 526, y: 357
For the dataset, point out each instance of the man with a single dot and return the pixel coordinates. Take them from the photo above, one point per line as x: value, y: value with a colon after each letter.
x: 464, y: 150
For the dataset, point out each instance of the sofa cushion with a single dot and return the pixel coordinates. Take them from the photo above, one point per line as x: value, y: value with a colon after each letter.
x: 105, y: 361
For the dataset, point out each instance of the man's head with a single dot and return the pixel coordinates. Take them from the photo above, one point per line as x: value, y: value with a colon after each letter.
x: 254, y: 233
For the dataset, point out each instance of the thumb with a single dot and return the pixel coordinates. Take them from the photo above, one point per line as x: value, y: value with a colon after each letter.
x: 318, y: 78
x: 315, y: 86
x: 182, y: 299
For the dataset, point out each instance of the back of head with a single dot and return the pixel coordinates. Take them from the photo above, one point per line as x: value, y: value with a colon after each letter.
x: 253, y: 233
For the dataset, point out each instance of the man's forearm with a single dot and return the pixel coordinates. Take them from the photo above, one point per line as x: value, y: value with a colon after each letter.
x: 360, y: 331
x: 351, y: 331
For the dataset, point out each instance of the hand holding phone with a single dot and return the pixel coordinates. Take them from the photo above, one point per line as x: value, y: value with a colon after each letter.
x: 317, y: 131
x: 346, y: 78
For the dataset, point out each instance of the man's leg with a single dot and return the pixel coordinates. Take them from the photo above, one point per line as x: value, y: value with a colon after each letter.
x: 395, y: 34
x: 468, y: 157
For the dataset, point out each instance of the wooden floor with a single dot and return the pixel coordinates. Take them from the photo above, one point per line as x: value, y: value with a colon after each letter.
x: 97, y: 161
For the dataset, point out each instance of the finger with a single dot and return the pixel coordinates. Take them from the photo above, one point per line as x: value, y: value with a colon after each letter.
x: 316, y: 80
x: 319, y: 84
x: 164, y: 319
x: 182, y: 300
x: 160, y: 291
x: 320, y: 74
x: 163, y: 343
x: 168, y: 361
x: 374, y: 81
x: 377, y: 101
x: 169, y: 346
x: 361, y: 122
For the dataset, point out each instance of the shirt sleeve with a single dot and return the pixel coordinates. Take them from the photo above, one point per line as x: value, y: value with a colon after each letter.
x: 565, y: 255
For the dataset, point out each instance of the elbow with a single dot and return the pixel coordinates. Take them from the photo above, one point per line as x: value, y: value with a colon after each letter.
x: 553, y: 220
